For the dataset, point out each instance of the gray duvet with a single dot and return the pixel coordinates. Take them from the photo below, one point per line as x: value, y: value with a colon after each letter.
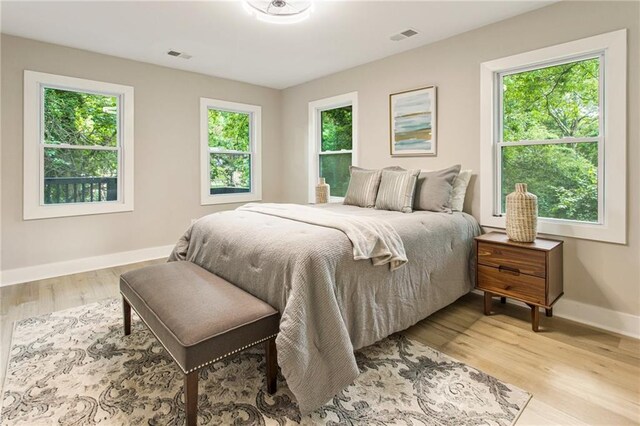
x: 330, y: 303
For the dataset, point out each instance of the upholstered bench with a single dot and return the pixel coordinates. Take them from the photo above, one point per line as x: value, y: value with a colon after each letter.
x: 199, y: 318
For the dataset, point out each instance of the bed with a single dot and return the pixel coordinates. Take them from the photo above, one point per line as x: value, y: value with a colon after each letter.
x: 330, y: 303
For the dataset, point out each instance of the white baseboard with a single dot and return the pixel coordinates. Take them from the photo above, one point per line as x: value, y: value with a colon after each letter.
x: 50, y: 270
x: 596, y: 316
x: 607, y: 319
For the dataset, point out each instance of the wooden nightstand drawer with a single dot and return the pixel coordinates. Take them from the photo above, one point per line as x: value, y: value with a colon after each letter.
x: 529, y: 262
x: 504, y: 282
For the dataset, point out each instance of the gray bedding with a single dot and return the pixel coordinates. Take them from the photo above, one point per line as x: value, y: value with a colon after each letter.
x: 371, y: 237
x: 330, y: 303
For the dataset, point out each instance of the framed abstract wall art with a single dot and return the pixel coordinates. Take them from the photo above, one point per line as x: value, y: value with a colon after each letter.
x: 413, y: 122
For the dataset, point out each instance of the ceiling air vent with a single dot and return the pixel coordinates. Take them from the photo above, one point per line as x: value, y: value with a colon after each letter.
x: 177, y: 54
x: 409, y: 32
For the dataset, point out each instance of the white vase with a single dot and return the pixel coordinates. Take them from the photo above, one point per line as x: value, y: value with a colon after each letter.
x: 322, y: 191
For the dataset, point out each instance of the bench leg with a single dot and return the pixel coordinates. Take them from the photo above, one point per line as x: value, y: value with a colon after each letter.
x: 126, y: 311
x: 191, y: 398
x: 271, y: 359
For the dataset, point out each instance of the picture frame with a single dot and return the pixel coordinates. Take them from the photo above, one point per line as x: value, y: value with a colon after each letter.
x: 413, y: 122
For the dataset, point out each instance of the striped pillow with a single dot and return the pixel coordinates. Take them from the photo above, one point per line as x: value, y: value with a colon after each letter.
x: 431, y: 195
x: 396, y: 190
x: 363, y: 187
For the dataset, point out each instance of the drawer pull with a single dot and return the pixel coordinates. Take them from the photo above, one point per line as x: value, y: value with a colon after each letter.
x: 509, y: 270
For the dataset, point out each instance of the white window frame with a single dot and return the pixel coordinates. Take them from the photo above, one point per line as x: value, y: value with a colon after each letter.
x: 315, y: 137
x: 255, y: 142
x: 33, y: 199
x: 612, y: 140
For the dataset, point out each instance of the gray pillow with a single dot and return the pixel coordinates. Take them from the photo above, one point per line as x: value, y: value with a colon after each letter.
x: 363, y: 187
x: 460, y: 190
x: 396, y: 190
x: 433, y: 189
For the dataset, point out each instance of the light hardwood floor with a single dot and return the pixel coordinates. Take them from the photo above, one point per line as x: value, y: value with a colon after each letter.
x: 577, y: 374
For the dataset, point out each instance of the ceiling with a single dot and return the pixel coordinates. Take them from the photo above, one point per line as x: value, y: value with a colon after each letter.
x: 226, y: 42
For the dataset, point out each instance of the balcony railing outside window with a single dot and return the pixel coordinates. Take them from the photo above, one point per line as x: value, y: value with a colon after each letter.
x: 80, y: 190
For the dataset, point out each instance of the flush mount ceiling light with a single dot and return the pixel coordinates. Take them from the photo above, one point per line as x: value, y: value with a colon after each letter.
x: 279, y: 11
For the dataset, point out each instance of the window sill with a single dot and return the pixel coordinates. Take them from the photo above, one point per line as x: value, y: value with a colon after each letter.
x: 77, y: 209
x: 588, y: 231
x: 229, y: 199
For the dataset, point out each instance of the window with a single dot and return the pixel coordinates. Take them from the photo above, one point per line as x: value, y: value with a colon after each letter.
x: 78, y: 146
x: 332, y: 143
x: 550, y: 123
x: 230, y: 152
x: 336, y: 148
x: 558, y: 123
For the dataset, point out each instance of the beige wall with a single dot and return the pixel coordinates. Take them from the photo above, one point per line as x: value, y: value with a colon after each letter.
x: 604, y: 275
x: 166, y: 139
x: 166, y: 154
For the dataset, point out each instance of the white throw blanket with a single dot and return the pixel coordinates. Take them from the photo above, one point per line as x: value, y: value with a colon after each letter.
x: 371, y: 238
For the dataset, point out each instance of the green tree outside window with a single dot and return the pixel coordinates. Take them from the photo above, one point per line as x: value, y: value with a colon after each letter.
x: 229, y: 139
x: 80, y: 135
x: 556, y: 103
x: 336, y: 135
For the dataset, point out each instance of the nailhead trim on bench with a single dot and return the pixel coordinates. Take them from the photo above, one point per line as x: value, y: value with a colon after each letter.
x: 201, y: 365
x: 231, y: 353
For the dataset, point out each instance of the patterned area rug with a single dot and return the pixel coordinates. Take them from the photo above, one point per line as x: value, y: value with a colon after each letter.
x: 74, y: 367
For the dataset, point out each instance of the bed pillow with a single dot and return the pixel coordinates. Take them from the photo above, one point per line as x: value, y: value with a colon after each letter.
x: 363, y: 187
x: 460, y: 190
x: 433, y: 189
x: 396, y: 190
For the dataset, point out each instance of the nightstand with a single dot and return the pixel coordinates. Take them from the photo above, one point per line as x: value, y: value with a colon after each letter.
x: 528, y: 272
